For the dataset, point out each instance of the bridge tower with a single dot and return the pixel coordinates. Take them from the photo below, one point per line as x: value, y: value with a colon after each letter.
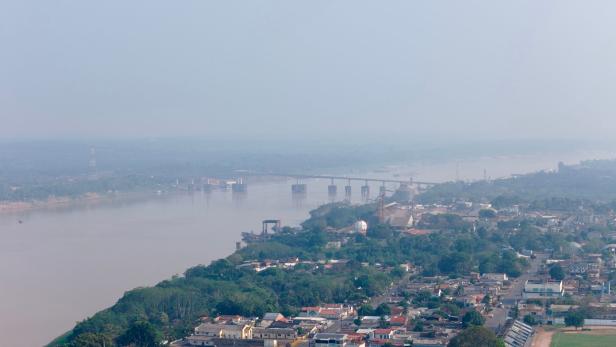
x: 239, y: 186
x: 298, y: 188
x: 365, y: 190
x: 332, y: 189
x: 347, y: 189
x: 382, y: 188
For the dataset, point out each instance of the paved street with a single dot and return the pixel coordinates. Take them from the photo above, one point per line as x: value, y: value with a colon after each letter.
x: 511, y: 297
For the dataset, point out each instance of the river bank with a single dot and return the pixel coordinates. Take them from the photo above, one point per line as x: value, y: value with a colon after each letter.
x: 87, y: 200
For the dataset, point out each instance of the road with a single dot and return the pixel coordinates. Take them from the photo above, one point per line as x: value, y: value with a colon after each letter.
x: 511, y: 297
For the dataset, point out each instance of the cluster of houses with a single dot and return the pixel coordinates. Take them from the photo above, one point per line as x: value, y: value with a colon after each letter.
x: 272, y: 330
x: 328, y: 325
x: 587, y: 274
x: 339, y: 325
x: 336, y: 325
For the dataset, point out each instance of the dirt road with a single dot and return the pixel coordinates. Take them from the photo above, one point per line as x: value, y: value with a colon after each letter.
x: 542, y: 338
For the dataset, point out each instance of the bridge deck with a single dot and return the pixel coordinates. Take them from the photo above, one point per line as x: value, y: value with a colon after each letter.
x: 347, y: 178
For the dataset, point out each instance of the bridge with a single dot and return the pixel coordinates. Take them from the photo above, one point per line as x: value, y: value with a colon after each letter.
x: 301, y: 188
x: 410, y: 181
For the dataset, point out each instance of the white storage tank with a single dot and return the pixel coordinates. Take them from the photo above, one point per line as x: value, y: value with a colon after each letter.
x: 361, y: 227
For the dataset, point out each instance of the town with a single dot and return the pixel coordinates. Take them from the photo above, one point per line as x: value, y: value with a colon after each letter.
x: 555, y: 270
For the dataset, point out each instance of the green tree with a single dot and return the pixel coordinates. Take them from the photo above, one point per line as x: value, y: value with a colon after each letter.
x: 383, y: 310
x: 474, y: 337
x: 472, y: 318
x: 487, y: 213
x: 574, y: 318
x: 140, y: 334
x: 380, y: 231
x: 419, y: 326
x: 530, y: 319
x: 557, y: 273
x: 92, y: 340
x: 365, y: 310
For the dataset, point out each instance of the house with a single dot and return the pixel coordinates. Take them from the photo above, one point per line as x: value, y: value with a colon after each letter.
x: 329, y: 340
x: 383, y: 334
x: 356, y: 340
x: 407, y: 267
x: 398, y: 321
x: 500, y: 277
x: 472, y: 300
x: 224, y: 331
x: 329, y: 311
x: 383, y: 342
x: 537, y: 311
x: 274, y: 317
x: 371, y: 321
x: 276, y: 331
x: 199, y: 340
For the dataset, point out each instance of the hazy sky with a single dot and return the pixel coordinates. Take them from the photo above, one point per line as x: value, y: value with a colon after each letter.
x: 427, y: 69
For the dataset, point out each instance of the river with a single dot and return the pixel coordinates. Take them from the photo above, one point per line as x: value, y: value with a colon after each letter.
x: 59, y: 266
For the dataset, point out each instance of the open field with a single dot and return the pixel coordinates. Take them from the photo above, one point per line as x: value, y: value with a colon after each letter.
x: 584, y: 339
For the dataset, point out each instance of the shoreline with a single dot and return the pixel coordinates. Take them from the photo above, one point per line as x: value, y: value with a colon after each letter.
x: 90, y: 199
x: 93, y: 199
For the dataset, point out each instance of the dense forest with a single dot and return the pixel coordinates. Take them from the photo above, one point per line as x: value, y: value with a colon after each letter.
x: 590, y: 180
x: 172, y: 308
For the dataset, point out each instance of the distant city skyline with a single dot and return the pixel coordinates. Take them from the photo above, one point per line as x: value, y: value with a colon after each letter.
x: 318, y: 70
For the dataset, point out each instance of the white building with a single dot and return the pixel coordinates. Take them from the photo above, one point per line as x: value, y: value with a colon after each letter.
x: 330, y: 340
x: 501, y: 277
x: 224, y: 331
x: 534, y: 289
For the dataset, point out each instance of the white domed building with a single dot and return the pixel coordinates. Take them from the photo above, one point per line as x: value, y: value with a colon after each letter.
x: 361, y: 227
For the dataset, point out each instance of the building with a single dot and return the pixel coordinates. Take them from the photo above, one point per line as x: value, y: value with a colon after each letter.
x: 519, y: 335
x: 328, y: 311
x: 329, y: 340
x: 274, y: 332
x: 500, y: 277
x: 383, y: 334
x: 224, y: 331
x: 398, y: 321
x: 398, y: 217
x: 537, y: 289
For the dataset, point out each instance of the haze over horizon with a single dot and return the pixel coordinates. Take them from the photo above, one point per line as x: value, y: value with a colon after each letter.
x: 429, y: 70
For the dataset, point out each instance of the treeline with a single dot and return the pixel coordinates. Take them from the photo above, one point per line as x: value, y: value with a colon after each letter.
x: 79, y: 186
x: 592, y: 180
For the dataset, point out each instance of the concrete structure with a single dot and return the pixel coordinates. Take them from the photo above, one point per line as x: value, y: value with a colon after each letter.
x: 383, y: 334
x: 397, y: 216
x: 275, y: 333
x: 519, y: 335
x: 536, y: 289
x: 224, y: 331
x: 329, y: 340
x: 495, y: 276
x: 299, y: 188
